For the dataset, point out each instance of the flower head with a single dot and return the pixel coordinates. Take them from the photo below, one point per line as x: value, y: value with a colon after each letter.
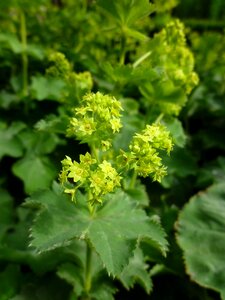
x: 144, y: 151
x: 96, y: 179
x: 96, y: 120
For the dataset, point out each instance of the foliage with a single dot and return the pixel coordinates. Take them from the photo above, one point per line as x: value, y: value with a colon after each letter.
x: 111, y: 115
x: 201, y: 221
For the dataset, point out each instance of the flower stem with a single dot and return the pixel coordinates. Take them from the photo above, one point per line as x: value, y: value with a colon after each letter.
x: 95, y: 152
x: 159, y: 118
x: 141, y: 59
x: 122, y: 49
x: 133, y: 180
x: 23, y: 35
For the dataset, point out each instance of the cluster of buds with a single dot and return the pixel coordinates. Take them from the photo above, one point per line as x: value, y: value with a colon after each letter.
x: 96, y: 179
x: 176, y: 64
x: 182, y: 60
x: 144, y: 151
x: 96, y: 120
x: 61, y: 67
x: 78, y: 83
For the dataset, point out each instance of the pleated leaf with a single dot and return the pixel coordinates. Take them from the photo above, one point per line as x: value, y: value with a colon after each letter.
x: 201, y: 235
x: 113, y: 231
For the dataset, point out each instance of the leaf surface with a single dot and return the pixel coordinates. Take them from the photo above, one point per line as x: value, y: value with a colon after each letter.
x: 136, y: 271
x: 6, y: 212
x: 47, y: 88
x: 127, y: 12
x: 10, y: 145
x: 113, y: 231
x: 201, y: 235
x: 35, y: 171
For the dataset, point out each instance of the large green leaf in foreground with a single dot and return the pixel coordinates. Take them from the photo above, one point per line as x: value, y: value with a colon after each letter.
x: 37, y: 172
x: 113, y: 231
x: 201, y: 235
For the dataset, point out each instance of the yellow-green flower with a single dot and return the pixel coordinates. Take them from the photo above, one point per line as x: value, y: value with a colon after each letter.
x: 97, y: 119
x: 144, y: 156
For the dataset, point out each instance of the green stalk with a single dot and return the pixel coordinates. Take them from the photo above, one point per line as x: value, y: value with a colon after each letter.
x: 23, y: 35
x: 88, y: 279
x: 159, y: 118
x: 133, y: 180
x: 95, y: 152
x: 123, y: 48
x: 141, y: 59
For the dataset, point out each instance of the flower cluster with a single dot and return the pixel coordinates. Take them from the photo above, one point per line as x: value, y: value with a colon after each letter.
x: 144, y: 156
x: 96, y: 120
x: 81, y: 81
x: 77, y: 83
x: 174, y: 63
x: 97, y: 180
x: 103, y: 180
x: 181, y: 59
x: 61, y: 65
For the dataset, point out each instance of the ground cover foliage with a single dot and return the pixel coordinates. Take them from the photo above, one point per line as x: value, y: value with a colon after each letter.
x: 112, y: 152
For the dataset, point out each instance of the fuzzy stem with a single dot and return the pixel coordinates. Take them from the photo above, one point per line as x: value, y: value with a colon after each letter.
x: 159, y: 118
x: 123, y: 48
x: 95, y: 152
x: 23, y: 36
x: 141, y: 59
x: 133, y: 180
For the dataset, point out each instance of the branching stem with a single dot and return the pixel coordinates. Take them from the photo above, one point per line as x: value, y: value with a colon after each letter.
x: 133, y: 179
x: 23, y: 36
x: 123, y: 48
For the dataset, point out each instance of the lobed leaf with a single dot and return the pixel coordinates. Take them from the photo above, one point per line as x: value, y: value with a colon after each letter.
x: 201, y: 236
x: 6, y: 212
x: 44, y: 88
x: 136, y: 271
x: 35, y: 171
x: 127, y: 12
x: 113, y: 231
x: 10, y: 144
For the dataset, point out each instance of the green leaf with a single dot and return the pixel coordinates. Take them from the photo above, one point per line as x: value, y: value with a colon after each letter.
x: 47, y: 287
x: 52, y: 228
x: 7, y: 99
x: 47, y: 88
x: 12, y: 42
x: 136, y: 34
x: 136, y: 271
x: 72, y: 274
x: 10, y: 144
x: 35, y: 171
x: 38, y: 142
x: 139, y: 194
x: 9, y: 282
x: 201, y: 235
x: 6, y: 212
x: 127, y: 12
x: 168, y: 92
x: 181, y: 163
x: 176, y: 129
x: 113, y: 231
x: 35, y: 51
x: 103, y: 291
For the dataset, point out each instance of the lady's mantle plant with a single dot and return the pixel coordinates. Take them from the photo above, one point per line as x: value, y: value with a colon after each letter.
x: 105, y: 220
x: 111, y: 223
